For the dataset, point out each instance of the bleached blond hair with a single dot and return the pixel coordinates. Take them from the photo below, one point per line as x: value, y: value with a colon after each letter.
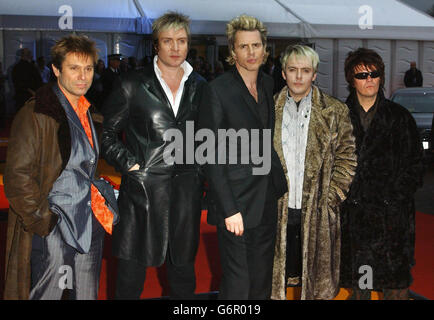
x: 298, y: 51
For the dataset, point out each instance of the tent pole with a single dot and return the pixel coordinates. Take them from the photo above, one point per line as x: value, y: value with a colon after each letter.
x: 139, y: 8
x: 2, y: 51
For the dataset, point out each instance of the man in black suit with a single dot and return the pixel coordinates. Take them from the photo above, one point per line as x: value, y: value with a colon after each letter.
x: 26, y: 78
x: 243, y: 194
x: 110, y: 74
x: 413, y: 76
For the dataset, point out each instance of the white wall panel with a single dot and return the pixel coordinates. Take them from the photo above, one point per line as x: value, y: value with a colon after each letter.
x: 324, y: 79
x: 406, y: 51
x: 344, y: 47
x: 427, y: 65
x: 383, y: 48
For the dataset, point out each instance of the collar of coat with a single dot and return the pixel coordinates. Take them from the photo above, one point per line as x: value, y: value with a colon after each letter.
x: 352, y: 100
x: 379, y: 126
x: 318, y: 99
x: 150, y: 80
x: 323, y: 107
x: 47, y: 103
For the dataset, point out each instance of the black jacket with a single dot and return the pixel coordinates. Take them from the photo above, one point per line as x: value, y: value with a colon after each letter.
x: 25, y: 76
x: 233, y: 187
x: 413, y: 78
x: 159, y: 201
x: 378, y: 215
x: 108, y: 79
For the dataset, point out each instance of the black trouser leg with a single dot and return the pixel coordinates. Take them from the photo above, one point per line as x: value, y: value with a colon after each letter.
x: 182, y: 279
x: 247, y: 260
x: 293, y: 245
x: 130, y: 280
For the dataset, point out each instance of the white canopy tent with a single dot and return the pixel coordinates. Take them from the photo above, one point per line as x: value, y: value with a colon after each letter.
x: 391, y: 19
x: 399, y: 33
x: 304, y: 18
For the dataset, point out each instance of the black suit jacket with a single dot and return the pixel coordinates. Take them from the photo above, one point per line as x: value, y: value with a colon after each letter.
x: 233, y: 188
x: 108, y: 79
x: 413, y: 79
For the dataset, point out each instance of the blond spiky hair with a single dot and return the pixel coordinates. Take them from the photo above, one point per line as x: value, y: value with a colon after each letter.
x: 244, y: 23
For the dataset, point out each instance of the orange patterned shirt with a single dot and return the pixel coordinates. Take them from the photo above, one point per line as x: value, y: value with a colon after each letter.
x: 100, y: 210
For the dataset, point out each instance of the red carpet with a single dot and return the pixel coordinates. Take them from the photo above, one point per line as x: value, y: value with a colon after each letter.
x: 208, y: 265
x: 423, y: 271
x: 156, y: 285
x: 4, y: 204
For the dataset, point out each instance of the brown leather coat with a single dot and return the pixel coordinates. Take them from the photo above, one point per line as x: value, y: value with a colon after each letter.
x: 38, y: 150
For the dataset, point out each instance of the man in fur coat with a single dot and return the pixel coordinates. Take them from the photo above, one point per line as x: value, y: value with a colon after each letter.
x: 313, y: 138
x: 378, y: 216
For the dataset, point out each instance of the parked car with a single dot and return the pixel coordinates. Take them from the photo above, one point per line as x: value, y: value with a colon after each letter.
x: 420, y: 102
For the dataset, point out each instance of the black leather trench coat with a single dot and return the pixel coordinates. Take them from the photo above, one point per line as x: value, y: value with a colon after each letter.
x: 160, y: 203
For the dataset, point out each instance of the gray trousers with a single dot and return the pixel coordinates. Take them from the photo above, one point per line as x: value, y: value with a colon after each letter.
x: 56, y: 266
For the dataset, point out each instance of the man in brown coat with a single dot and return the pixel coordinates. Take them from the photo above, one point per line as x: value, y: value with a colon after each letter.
x: 314, y: 141
x: 58, y: 210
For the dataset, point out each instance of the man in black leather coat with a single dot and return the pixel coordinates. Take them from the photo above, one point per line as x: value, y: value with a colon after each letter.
x: 159, y: 201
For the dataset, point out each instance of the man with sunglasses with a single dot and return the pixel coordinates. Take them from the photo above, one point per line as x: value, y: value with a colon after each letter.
x: 378, y: 215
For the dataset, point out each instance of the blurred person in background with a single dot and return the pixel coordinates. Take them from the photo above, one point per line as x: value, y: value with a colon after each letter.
x: 26, y: 78
x: 413, y: 76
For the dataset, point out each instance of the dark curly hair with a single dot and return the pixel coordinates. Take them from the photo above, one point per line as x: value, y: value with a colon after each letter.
x: 367, y: 58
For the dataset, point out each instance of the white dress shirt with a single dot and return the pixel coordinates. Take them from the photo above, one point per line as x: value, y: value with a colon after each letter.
x: 188, y: 69
x: 295, y: 126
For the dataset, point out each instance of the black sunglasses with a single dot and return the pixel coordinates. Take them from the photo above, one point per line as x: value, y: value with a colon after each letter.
x: 365, y: 75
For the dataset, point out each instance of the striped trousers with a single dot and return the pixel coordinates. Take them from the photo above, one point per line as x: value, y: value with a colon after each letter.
x: 56, y: 266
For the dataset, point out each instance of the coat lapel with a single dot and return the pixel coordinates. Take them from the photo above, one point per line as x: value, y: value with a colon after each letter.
x: 94, y: 136
x: 187, y: 97
x: 155, y: 90
x: 74, y: 119
x: 47, y: 103
x: 247, y: 97
x: 375, y: 130
x: 318, y: 137
x: 280, y: 99
x: 270, y: 105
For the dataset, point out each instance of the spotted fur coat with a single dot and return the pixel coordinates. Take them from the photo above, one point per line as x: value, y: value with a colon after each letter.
x: 330, y: 164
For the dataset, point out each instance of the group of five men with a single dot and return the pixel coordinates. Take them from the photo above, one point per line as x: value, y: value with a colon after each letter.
x: 275, y: 229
